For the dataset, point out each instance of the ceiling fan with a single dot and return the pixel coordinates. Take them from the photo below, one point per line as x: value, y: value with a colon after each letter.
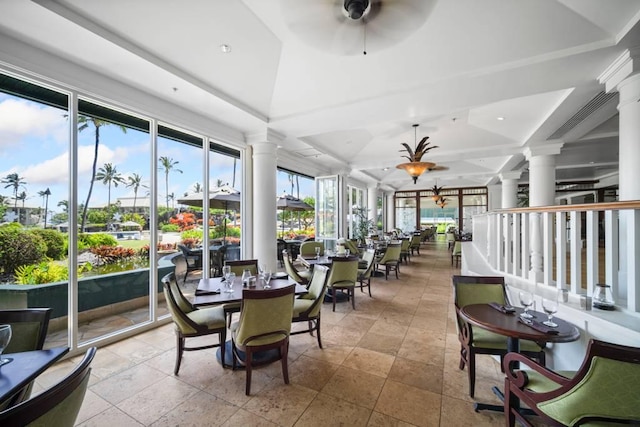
x: 347, y: 27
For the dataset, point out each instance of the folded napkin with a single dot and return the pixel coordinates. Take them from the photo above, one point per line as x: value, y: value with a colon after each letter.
x: 502, y: 308
x: 207, y: 292
x: 538, y: 326
x: 279, y: 276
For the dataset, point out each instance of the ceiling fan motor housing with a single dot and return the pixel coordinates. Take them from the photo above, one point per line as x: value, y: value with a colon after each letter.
x: 356, y: 8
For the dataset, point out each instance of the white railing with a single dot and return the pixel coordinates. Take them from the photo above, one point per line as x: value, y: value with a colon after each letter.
x: 569, y: 247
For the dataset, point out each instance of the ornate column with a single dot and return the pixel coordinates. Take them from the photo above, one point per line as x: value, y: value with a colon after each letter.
x: 509, y: 189
x: 264, y: 195
x: 542, y: 188
x: 623, y: 75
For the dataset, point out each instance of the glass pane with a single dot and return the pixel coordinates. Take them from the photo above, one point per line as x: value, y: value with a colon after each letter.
x: 34, y: 198
x: 327, y: 209
x: 406, y: 214
x: 225, y: 181
x: 472, y: 205
x: 294, y: 223
x: 379, y: 213
x: 113, y: 178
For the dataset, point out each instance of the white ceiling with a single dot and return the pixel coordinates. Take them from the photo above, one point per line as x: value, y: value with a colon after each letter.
x: 296, y: 67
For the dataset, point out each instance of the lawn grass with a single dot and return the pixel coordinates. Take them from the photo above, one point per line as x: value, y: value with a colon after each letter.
x: 133, y: 244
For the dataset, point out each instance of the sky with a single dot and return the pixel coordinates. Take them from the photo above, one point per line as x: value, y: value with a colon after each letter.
x: 34, y: 144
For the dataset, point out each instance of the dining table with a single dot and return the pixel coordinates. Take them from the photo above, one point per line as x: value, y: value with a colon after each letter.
x: 24, y: 367
x: 495, y: 318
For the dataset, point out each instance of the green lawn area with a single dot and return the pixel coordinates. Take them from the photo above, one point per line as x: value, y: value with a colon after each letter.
x: 133, y: 244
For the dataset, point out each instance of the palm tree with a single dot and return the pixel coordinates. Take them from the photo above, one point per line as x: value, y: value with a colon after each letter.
x: 47, y: 193
x: 83, y: 123
x: 22, y: 196
x: 197, y: 188
x: 135, y: 181
x: 168, y: 164
x: 109, y: 175
x: 219, y: 182
x: 65, y: 205
x: 172, y: 197
x: 15, y: 181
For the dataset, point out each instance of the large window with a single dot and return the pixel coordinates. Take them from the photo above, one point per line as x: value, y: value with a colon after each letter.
x: 295, y: 222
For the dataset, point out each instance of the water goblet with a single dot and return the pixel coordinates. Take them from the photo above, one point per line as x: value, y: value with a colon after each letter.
x: 231, y: 277
x: 347, y: 252
x: 267, y: 279
x: 526, y: 299
x: 550, y: 306
x: 317, y: 252
x: 225, y: 272
x: 262, y: 268
x: 5, y: 337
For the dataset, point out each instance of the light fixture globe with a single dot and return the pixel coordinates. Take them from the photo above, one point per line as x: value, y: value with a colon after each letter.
x: 415, y: 169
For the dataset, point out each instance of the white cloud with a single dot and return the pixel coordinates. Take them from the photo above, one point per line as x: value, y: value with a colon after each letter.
x: 20, y: 118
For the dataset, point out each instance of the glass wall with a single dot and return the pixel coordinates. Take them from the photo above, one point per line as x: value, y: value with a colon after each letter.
x: 292, y: 223
x: 357, y: 203
x: 406, y: 214
x: 327, y: 205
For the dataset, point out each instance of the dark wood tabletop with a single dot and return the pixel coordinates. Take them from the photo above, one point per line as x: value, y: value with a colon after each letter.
x: 212, y: 291
x: 322, y: 260
x: 25, y: 367
x: 487, y: 317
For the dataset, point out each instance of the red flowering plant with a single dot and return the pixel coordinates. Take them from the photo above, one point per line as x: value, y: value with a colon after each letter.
x: 184, y: 220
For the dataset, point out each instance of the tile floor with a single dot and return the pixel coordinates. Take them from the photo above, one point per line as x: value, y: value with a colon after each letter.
x: 391, y: 362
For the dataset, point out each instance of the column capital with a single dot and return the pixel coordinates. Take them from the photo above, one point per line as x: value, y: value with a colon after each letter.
x: 268, y: 135
x: 543, y: 150
x: 625, y: 65
x: 510, y: 175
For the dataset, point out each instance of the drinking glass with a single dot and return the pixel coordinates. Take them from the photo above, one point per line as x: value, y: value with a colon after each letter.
x: 5, y: 337
x: 550, y: 306
x: 267, y: 279
x: 231, y: 277
x: 262, y: 268
x: 526, y: 299
x: 225, y: 272
x: 317, y: 252
x: 347, y: 252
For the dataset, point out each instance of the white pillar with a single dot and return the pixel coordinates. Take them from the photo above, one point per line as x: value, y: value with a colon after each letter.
x: 495, y: 195
x: 623, y: 75
x: 372, y: 204
x: 542, y: 173
x: 390, y: 221
x: 509, y: 189
x: 264, y: 148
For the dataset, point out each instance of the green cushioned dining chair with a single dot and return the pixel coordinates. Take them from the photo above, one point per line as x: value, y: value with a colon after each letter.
x: 604, y: 391
x: 28, y: 332
x: 238, y: 267
x: 415, y: 244
x: 391, y: 259
x: 405, y: 251
x: 343, y: 277
x: 265, y: 324
x: 475, y: 340
x: 306, y: 308
x: 364, y: 275
x: 56, y: 406
x: 192, y: 322
x: 456, y: 253
x: 308, y: 249
x: 300, y: 276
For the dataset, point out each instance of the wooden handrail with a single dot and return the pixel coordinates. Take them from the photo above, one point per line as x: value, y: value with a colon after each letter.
x: 584, y: 207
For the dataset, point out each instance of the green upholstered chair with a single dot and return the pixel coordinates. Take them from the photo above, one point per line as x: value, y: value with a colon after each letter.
x: 391, y: 259
x: 238, y: 267
x: 265, y: 324
x: 415, y: 243
x: 475, y: 340
x: 306, y: 308
x: 300, y: 276
x: 450, y: 238
x: 56, y: 406
x: 364, y: 274
x: 192, y: 322
x: 604, y: 391
x: 308, y: 249
x: 29, y: 331
x: 405, y: 251
x: 343, y: 277
x: 456, y: 253
x: 352, y: 245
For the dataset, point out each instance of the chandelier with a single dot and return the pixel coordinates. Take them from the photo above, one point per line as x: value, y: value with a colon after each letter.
x: 415, y: 166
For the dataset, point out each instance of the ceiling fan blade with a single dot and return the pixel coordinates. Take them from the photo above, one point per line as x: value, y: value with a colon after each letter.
x: 438, y: 168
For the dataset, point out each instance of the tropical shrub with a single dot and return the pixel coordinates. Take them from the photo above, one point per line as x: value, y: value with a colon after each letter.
x: 170, y: 228
x: 111, y: 254
x: 184, y: 220
x: 43, y: 272
x: 19, y: 247
x: 55, y: 241
x: 191, y: 242
x: 94, y: 240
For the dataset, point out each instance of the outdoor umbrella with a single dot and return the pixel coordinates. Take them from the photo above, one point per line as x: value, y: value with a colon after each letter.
x: 224, y: 197
x: 293, y: 204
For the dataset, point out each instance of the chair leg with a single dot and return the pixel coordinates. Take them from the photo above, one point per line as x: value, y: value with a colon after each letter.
x: 318, y: 331
x: 333, y: 295
x: 508, y: 404
x: 285, y: 363
x: 472, y: 374
x: 353, y: 297
x: 247, y: 366
x: 179, y: 351
x: 463, y: 358
x: 223, y: 342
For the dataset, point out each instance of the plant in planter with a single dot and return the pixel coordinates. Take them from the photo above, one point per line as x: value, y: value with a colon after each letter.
x: 364, y: 225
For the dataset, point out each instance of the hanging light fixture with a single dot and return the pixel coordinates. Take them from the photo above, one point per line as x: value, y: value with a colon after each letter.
x: 416, y: 167
x: 436, y: 192
x: 442, y: 202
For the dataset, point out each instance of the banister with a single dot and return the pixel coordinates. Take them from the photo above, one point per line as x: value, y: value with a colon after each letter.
x: 584, y: 207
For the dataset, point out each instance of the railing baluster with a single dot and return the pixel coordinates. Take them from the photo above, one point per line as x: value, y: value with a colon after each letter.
x: 576, y: 251
x: 592, y: 264
x: 561, y: 249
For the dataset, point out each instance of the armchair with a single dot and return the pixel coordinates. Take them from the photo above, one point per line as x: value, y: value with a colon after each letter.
x: 343, y: 276
x: 391, y: 259
x: 301, y: 277
x: 365, y: 274
x: 604, y: 391
x: 306, y: 308
x: 308, y: 248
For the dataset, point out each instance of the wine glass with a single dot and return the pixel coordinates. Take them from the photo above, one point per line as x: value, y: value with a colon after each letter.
x: 550, y: 306
x: 5, y: 337
x: 317, y: 252
x: 526, y: 299
x: 267, y: 279
x: 262, y: 268
x: 231, y: 277
x: 347, y: 252
x: 225, y: 272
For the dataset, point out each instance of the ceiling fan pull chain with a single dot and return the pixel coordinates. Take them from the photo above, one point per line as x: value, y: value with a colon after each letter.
x: 364, y: 49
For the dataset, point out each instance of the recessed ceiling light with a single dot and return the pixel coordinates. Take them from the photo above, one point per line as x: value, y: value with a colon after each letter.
x: 500, y: 118
x: 225, y: 48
